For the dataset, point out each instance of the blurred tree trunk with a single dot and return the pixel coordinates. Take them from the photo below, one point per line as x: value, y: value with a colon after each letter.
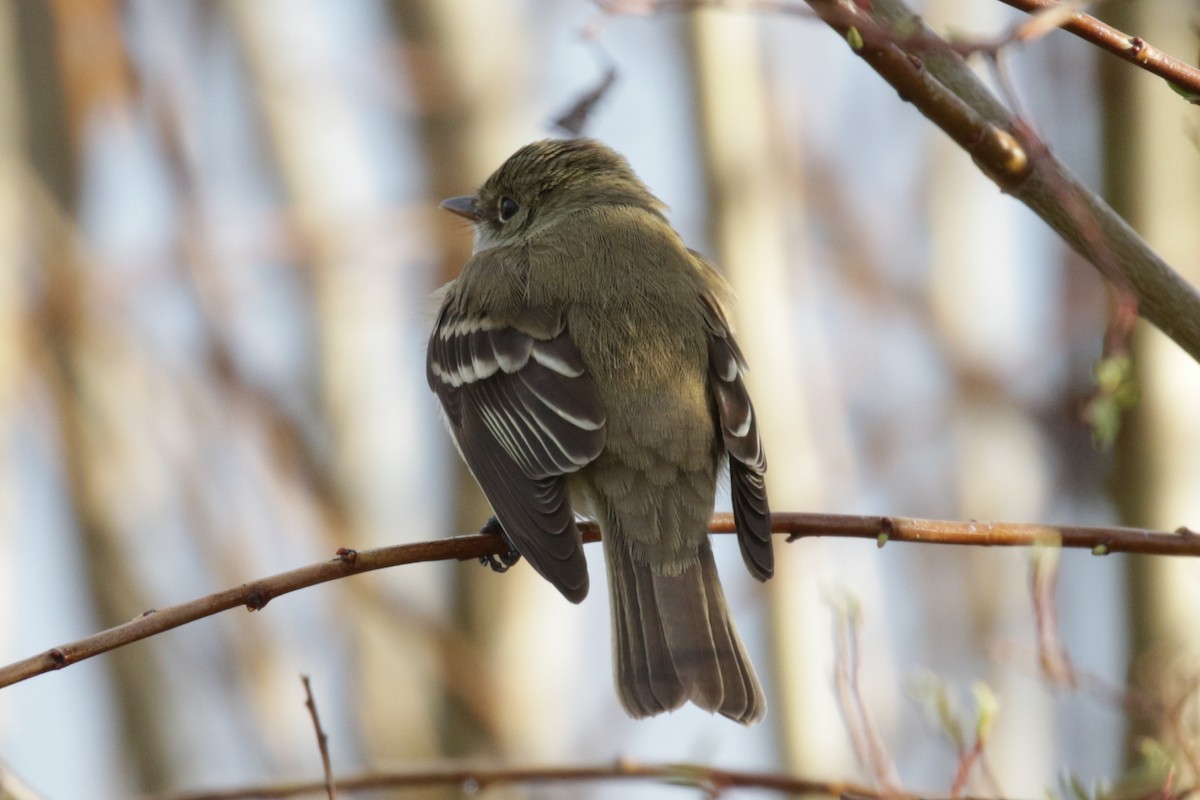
x: 74, y: 76
x: 982, y: 299
x: 467, y: 65
x: 13, y: 310
x: 318, y: 138
x: 1153, y: 174
x: 11, y: 786
x: 751, y: 199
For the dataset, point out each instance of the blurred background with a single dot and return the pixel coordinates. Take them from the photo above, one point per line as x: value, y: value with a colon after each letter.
x: 218, y: 232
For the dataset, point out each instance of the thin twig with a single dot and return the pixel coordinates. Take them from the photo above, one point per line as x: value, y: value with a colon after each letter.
x: 476, y: 779
x: 322, y: 740
x: 842, y: 676
x: 966, y: 763
x: 868, y: 744
x: 928, y: 72
x: 1134, y: 49
x: 575, y: 118
x: 1052, y: 653
x: 256, y: 594
x: 1048, y: 14
x: 1178, y: 728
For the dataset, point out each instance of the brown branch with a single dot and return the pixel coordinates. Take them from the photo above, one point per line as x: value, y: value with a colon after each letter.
x: 928, y: 72
x: 1048, y: 14
x: 256, y: 594
x: 322, y: 740
x: 470, y: 779
x: 1184, y: 77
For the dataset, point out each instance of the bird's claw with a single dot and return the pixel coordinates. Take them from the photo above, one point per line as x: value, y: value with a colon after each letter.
x: 499, y: 562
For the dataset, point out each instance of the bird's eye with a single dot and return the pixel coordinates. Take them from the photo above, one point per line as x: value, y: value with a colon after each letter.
x: 508, y: 208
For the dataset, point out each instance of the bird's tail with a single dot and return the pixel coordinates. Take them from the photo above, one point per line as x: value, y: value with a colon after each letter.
x: 673, y: 640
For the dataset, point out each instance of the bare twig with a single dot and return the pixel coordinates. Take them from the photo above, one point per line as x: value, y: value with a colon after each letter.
x: 575, y: 118
x: 868, y: 744
x: 931, y: 74
x: 1047, y: 15
x: 845, y: 609
x: 1176, y: 726
x: 256, y: 594
x: 1182, y: 76
x: 474, y: 779
x: 966, y: 763
x: 1052, y: 653
x: 322, y: 740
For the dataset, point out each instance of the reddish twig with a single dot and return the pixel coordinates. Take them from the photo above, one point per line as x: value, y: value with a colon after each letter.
x: 1052, y: 654
x: 1178, y: 728
x: 868, y: 744
x: 471, y: 780
x: 929, y: 73
x: 322, y: 740
x: 256, y: 594
x: 1184, y: 77
x: 966, y: 763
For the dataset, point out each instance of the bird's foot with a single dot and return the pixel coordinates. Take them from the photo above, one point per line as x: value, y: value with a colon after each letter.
x: 502, y: 561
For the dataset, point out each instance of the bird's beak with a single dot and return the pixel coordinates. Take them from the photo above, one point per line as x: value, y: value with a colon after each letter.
x: 463, y: 206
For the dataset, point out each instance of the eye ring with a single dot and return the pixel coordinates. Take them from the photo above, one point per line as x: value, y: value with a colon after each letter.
x: 508, y: 209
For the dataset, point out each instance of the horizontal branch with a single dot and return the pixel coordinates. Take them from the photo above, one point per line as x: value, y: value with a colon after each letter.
x: 1099, y: 539
x: 1134, y: 49
x: 256, y: 594
x: 475, y: 779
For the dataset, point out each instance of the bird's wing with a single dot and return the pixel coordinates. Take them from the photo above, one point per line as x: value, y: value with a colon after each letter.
x: 525, y: 413
x: 739, y: 429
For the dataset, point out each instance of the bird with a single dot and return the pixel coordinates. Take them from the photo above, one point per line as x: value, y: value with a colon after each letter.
x: 584, y: 362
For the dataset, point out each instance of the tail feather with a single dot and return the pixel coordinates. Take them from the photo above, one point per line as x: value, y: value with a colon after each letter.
x: 646, y: 679
x: 744, y: 701
x: 674, y: 642
x: 688, y: 632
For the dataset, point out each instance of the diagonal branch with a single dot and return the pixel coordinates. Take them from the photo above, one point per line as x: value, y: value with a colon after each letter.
x: 1183, y: 77
x: 929, y: 73
x: 256, y: 594
x: 322, y: 739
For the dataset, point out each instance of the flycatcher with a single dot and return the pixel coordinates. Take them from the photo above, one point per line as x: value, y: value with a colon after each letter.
x: 584, y: 361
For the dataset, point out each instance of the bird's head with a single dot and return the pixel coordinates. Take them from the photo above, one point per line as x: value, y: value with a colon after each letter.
x: 545, y: 182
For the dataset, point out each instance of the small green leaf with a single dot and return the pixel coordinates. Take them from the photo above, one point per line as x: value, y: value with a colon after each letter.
x: 1105, y: 416
x: 855, y: 39
x: 1116, y: 392
x: 846, y: 606
x: 1077, y: 788
x: 1112, y: 372
x: 1186, y: 94
x: 940, y: 707
x: 1150, y: 772
x: 987, y: 707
